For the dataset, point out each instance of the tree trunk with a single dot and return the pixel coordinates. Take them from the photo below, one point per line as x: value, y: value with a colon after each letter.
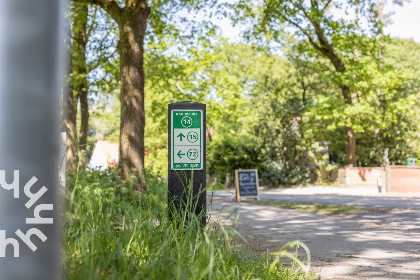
x: 350, y: 135
x: 70, y: 122
x: 70, y: 110
x: 303, y: 92
x: 132, y: 27
x: 351, y: 146
x: 132, y: 21
x: 84, y: 125
x: 82, y: 85
x: 326, y: 48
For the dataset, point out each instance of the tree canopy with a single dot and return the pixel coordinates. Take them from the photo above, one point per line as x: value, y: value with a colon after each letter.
x: 303, y: 93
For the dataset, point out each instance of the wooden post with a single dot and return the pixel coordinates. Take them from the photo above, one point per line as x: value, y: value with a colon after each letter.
x: 238, y: 198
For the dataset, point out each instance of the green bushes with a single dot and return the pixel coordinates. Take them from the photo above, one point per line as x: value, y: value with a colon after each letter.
x: 231, y: 152
x: 112, y: 233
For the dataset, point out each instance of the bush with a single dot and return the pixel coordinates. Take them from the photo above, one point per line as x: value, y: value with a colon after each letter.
x: 276, y: 174
x: 231, y: 152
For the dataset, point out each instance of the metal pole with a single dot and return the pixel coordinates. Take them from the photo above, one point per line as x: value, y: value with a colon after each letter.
x: 30, y: 48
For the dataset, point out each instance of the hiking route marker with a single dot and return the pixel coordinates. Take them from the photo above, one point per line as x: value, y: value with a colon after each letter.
x: 187, y: 157
x: 186, y: 139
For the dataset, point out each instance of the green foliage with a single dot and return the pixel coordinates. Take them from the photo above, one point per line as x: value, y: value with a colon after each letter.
x: 271, y: 101
x: 112, y: 233
x: 230, y: 152
x: 384, y: 92
x: 216, y: 187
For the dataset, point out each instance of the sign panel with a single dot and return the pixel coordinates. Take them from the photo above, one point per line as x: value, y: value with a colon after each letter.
x: 187, y: 142
x: 246, y: 183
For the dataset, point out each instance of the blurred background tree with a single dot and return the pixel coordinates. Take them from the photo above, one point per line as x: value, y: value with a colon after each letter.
x: 274, y: 100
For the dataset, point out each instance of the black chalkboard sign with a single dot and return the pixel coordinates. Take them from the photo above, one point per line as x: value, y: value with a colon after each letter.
x: 246, y: 183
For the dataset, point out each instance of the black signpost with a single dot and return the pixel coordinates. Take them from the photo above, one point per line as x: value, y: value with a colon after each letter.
x: 246, y: 181
x: 187, y: 158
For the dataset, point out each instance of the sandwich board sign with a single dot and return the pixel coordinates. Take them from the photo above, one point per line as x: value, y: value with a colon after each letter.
x: 187, y: 140
x: 246, y: 181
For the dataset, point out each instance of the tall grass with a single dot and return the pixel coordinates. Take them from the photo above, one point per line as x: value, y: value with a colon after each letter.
x: 112, y: 233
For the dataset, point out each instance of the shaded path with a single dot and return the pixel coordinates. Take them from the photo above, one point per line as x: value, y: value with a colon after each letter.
x: 351, y: 200
x: 381, y: 202
x: 366, y: 246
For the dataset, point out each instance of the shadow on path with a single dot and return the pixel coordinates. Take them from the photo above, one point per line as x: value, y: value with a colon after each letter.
x: 364, y: 246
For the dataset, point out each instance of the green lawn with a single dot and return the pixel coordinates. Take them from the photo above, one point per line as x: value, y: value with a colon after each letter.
x: 327, y: 209
x: 216, y: 187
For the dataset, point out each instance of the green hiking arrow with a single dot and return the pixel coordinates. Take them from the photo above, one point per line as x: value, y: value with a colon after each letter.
x: 179, y: 153
x: 180, y: 136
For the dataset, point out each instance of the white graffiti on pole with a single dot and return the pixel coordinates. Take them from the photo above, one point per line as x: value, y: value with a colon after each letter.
x: 35, y: 220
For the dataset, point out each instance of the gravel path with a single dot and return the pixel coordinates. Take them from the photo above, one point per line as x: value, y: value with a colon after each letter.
x: 366, y: 246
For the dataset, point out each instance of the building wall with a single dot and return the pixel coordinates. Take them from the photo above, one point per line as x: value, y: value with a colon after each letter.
x: 403, y: 179
x: 361, y: 177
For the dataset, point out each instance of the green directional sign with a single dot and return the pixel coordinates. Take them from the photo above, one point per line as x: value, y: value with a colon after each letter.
x: 187, y: 142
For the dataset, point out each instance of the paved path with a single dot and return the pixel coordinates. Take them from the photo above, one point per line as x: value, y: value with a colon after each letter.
x: 374, y: 246
x: 371, y: 246
x: 351, y: 200
x: 383, y: 202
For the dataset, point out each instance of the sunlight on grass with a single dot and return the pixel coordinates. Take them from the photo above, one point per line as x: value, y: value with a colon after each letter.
x: 217, y: 187
x: 326, y: 209
x: 112, y: 233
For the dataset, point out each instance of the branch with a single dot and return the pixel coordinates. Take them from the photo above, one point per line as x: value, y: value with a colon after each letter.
x: 307, y: 15
x: 304, y: 11
x: 108, y: 5
x: 326, y: 6
x: 313, y: 43
x: 314, y: 3
x: 105, y: 58
x: 179, y: 88
x: 326, y: 47
x: 91, y: 27
x: 100, y: 61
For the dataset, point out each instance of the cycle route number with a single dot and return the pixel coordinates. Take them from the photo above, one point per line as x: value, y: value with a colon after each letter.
x: 187, y: 143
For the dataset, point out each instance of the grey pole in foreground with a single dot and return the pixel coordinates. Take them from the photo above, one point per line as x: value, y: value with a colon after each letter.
x: 187, y: 157
x: 30, y: 48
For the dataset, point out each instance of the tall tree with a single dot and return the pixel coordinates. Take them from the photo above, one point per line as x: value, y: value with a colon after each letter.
x: 313, y: 21
x: 132, y: 21
x: 80, y: 72
x: 132, y: 17
x: 70, y: 110
x: 90, y: 48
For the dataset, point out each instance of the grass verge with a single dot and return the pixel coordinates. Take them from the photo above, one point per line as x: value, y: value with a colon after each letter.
x: 112, y: 233
x: 326, y: 209
x: 216, y: 187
